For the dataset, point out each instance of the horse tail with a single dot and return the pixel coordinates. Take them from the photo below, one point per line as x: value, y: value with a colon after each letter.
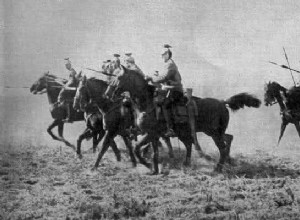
x: 241, y: 100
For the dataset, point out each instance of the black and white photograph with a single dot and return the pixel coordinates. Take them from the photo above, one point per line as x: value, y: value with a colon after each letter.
x: 150, y: 109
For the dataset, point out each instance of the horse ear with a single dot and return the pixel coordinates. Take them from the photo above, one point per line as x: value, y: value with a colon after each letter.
x: 84, y: 79
x: 79, y: 74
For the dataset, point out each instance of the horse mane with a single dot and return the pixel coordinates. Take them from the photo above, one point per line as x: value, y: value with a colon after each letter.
x: 96, y: 80
x: 149, y: 88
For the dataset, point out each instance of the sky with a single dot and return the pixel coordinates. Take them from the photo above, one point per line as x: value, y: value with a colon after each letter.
x: 220, y: 47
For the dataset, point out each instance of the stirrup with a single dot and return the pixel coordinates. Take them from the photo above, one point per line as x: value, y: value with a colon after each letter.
x: 170, y: 133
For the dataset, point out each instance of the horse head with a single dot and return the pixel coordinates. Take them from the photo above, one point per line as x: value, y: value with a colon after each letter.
x: 40, y: 85
x: 272, y: 92
x: 126, y: 80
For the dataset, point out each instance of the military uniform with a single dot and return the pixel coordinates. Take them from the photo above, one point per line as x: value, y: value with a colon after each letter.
x: 130, y: 64
x: 72, y: 82
x: 170, y: 76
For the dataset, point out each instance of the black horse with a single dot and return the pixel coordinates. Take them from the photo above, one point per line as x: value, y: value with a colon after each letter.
x: 110, y: 118
x: 289, y: 102
x: 212, y: 117
x: 52, y: 85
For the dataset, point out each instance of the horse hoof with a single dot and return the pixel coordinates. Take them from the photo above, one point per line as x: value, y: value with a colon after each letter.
x: 94, y: 169
x: 134, y: 165
x: 231, y: 162
x: 218, y: 168
x: 79, y: 156
x: 153, y: 173
x: 187, y: 164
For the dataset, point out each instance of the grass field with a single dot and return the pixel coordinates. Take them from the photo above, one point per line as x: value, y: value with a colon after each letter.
x: 43, y: 179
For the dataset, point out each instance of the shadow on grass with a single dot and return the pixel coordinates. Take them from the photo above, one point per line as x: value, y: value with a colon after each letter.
x: 260, y: 166
x: 256, y: 166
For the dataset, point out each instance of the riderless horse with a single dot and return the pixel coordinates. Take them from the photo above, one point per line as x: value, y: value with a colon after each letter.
x: 289, y: 104
x: 212, y: 117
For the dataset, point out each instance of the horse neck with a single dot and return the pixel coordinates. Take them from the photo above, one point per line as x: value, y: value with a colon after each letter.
x: 280, y: 101
x: 144, y: 102
x: 96, y: 90
x: 52, y: 94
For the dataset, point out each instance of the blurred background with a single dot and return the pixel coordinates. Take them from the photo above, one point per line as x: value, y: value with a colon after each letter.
x: 221, y: 49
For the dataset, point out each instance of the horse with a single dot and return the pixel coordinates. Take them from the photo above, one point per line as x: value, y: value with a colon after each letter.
x: 115, y: 117
x: 52, y: 85
x: 212, y: 117
x: 288, y: 103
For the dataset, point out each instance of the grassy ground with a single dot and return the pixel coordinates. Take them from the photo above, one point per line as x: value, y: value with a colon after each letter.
x: 43, y: 182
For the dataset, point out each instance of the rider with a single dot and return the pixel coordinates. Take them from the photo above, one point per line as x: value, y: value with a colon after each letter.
x: 130, y: 64
x: 72, y: 82
x: 106, y: 69
x: 170, y: 79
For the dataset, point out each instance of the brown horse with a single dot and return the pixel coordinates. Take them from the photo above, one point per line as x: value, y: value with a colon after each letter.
x: 115, y: 117
x: 212, y: 117
x: 52, y: 85
x: 288, y: 101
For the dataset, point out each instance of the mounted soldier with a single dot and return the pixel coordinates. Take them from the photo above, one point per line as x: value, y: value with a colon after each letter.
x: 170, y: 79
x: 105, y: 68
x: 130, y: 64
x: 72, y: 82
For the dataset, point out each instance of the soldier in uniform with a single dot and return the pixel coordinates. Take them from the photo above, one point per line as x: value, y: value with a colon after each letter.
x: 130, y: 64
x: 170, y: 79
x: 72, y: 82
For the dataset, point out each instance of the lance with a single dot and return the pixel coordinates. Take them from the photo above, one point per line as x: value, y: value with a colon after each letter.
x: 104, y: 73
x: 284, y: 66
x: 287, y: 60
x: 16, y: 87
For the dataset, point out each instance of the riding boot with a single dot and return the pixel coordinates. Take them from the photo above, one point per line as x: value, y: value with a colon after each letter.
x: 68, y: 118
x: 170, y: 132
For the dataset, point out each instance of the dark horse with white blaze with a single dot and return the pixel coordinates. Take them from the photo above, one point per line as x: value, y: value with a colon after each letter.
x: 52, y: 85
x: 289, y: 102
x: 212, y: 117
x: 115, y: 116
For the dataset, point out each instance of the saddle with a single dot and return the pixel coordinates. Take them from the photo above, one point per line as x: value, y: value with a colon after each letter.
x: 179, y: 110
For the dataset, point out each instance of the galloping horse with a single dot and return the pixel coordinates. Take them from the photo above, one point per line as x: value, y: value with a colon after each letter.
x: 116, y: 117
x: 212, y: 117
x: 49, y: 83
x: 288, y: 101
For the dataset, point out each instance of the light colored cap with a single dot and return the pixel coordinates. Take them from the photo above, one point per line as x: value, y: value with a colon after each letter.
x: 129, y: 59
x: 165, y: 49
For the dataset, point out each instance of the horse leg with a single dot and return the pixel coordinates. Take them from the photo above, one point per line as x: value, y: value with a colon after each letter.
x: 146, y: 149
x: 219, y: 141
x: 143, y: 141
x: 97, y: 137
x: 55, y: 123
x: 168, y: 143
x: 297, y: 127
x: 105, y: 144
x: 115, y: 149
x: 155, y: 155
x: 193, y: 128
x: 228, y: 139
x: 282, y: 129
x: 84, y: 135
x: 188, y: 145
x: 60, y: 129
x: 130, y: 149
